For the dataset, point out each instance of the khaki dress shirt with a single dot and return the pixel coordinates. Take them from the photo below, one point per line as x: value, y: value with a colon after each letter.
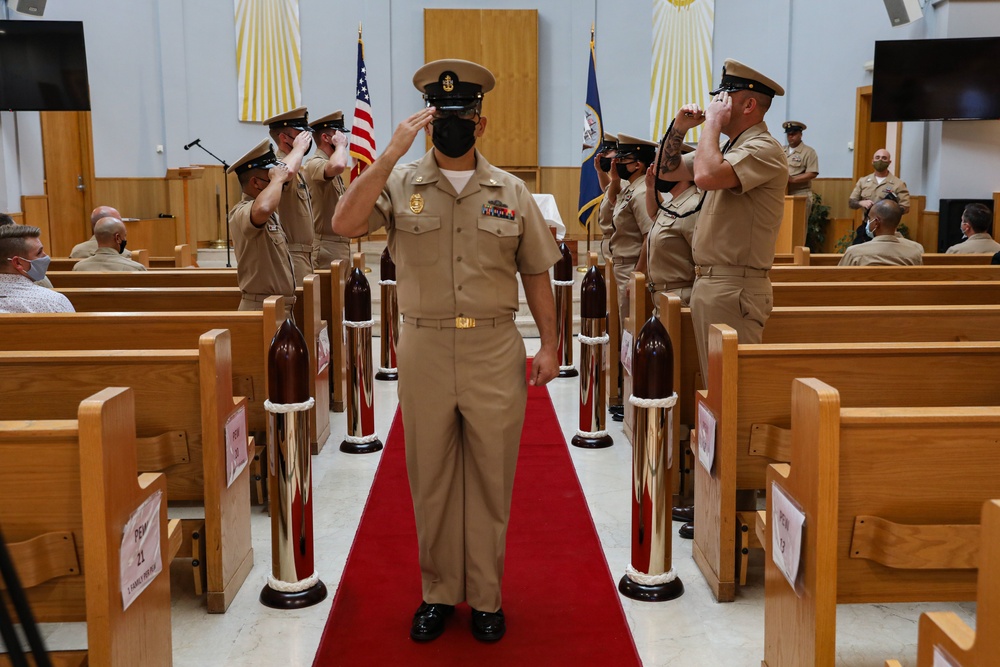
x: 669, y: 264
x: 883, y: 251
x: 869, y: 188
x: 263, y: 265
x: 108, y: 259
x: 631, y: 222
x: 325, y: 192
x: 801, y: 160
x: 976, y: 244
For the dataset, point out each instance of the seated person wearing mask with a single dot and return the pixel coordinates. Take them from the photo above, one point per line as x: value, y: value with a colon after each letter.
x: 22, y: 263
x: 885, y: 248
x: 976, y: 221
x: 111, y: 238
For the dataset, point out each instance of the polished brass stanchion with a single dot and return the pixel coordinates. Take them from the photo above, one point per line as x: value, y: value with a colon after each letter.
x: 361, y: 437
x: 593, y: 359
x: 650, y: 576
x: 390, y: 319
x: 562, y: 279
x: 293, y: 582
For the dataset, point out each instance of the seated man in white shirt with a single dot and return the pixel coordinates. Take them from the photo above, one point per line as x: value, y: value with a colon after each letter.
x: 976, y: 221
x: 885, y: 248
x: 22, y: 263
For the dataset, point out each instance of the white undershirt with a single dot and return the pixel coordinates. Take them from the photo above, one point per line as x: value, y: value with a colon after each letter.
x: 880, y: 180
x: 458, y: 179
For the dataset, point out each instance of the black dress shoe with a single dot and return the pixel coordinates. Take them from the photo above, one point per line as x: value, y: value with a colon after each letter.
x: 616, y: 409
x: 685, y: 514
x: 686, y: 531
x: 488, y: 626
x: 428, y: 622
x: 617, y: 416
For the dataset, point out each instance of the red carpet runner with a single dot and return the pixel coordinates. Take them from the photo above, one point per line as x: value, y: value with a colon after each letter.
x: 559, y: 597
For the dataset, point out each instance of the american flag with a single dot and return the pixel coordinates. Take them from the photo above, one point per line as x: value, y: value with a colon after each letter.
x: 362, y: 145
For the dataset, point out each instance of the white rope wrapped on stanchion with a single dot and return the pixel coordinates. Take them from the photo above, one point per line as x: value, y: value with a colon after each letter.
x: 567, y: 368
x: 295, y: 587
x: 563, y: 283
x: 280, y: 408
x: 668, y: 402
x: 593, y: 435
x: 360, y: 439
x: 387, y: 282
x: 650, y: 579
x: 386, y: 370
x: 359, y: 325
x: 598, y: 340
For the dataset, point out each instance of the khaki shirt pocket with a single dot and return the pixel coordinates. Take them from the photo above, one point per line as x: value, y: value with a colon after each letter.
x: 417, y: 239
x: 497, y: 240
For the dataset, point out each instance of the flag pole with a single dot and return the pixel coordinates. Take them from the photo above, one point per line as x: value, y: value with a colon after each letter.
x: 367, y: 268
x: 581, y: 268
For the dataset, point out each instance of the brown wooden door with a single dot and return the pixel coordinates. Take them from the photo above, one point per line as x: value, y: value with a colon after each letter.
x: 69, y: 177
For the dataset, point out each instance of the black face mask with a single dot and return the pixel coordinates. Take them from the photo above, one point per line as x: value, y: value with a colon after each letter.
x: 604, y: 163
x: 454, y: 136
x: 121, y: 246
x: 623, y: 172
x: 664, y: 186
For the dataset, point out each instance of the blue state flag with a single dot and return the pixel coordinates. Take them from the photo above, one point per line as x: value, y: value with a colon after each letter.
x: 593, y: 134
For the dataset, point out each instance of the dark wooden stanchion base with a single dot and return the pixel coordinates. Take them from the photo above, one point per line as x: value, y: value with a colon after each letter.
x: 661, y: 593
x: 568, y: 373
x: 389, y: 377
x: 592, y: 443
x: 360, y: 448
x: 298, y: 600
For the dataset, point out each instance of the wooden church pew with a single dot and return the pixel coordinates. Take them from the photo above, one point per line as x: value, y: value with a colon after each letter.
x: 929, y: 259
x: 964, y: 272
x: 67, y: 489
x: 892, y: 500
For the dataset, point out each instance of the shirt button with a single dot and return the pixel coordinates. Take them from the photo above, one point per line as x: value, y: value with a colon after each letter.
x: 459, y: 259
x: 458, y: 230
x: 459, y: 288
x: 416, y: 229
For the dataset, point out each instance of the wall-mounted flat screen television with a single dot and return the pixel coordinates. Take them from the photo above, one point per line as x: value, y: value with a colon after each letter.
x: 43, y: 66
x: 936, y: 79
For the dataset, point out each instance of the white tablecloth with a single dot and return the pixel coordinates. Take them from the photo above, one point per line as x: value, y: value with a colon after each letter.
x: 547, y: 204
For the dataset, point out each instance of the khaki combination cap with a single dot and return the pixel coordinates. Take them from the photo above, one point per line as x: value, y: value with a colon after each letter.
x: 297, y: 118
x: 260, y: 156
x: 793, y: 126
x: 737, y: 76
x: 452, y: 84
x: 333, y: 121
x: 610, y: 142
x: 641, y: 149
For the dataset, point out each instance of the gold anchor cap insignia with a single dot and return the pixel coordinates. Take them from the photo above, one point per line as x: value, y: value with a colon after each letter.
x: 447, y: 83
x: 416, y: 203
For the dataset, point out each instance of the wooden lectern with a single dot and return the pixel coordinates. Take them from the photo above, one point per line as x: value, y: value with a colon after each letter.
x: 185, y: 174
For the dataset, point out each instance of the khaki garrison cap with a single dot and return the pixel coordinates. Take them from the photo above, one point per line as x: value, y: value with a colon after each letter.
x: 793, y: 126
x: 296, y: 118
x: 737, y: 76
x: 260, y: 156
x: 634, y: 147
x: 452, y: 85
x: 334, y: 121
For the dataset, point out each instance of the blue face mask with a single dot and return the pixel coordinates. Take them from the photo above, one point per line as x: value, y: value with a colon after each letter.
x: 38, y: 267
x: 868, y: 230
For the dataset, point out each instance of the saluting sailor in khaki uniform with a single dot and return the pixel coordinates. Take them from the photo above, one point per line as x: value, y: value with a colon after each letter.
x: 885, y: 248
x: 293, y: 139
x: 322, y: 172
x: 263, y: 265
x: 738, y: 225
x: 459, y: 231
x: 602, y: 165
x: 666, y: 260
x: 976, y: 221
x: 631, y: 222
x: 111, y: 236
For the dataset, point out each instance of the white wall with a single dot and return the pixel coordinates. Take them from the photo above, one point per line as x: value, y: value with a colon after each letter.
x: 163, y: 72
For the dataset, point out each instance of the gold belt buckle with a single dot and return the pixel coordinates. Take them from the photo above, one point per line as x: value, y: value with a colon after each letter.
x: 465, y: 322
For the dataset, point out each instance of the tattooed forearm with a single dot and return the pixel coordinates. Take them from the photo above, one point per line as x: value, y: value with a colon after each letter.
x: 671, y: 152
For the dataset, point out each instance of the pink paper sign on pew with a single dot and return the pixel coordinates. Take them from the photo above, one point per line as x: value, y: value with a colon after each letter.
x: 322, y: 351
x: 236, y: 445
x: 141, y: 560
x: 942, y: 659
x: 706, y: 437
x: 627, y: 351
x: 786, y: 534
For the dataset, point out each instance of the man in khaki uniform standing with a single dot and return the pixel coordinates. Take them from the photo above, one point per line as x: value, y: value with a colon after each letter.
x: 459, y: 230
x: 602, y: 165
x: 803, y: 163
x: 263, y: 265
x: 976, y: 220
x: 885, y: 248
x: 322, y: 172
x: 875, y: 187
x: 733, y: 246
x: 111, y: 236
x: 293, y: 138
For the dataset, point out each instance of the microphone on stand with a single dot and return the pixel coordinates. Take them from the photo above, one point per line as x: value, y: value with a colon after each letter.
x: 188, y: 146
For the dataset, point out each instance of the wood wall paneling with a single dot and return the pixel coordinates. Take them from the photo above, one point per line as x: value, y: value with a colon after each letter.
x: 485, y: 36
x: 36, y: 214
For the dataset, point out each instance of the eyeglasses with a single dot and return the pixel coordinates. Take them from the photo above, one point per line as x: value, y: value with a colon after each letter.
x: 464, y: 114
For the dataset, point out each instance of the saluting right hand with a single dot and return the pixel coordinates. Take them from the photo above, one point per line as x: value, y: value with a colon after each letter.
x: 279, y: 173
x: 615, y: 186
x: 688, y: 116
x: 407, y: 131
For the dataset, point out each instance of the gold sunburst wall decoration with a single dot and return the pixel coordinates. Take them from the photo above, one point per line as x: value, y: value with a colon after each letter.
x: 268, y: 57
x: 682, y: 59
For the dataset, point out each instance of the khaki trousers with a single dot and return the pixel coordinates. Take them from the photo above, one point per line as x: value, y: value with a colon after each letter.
x: 742, y: 303
x: 324, y: 252
x: 462, y: 393
x: 256, y: 302
x: 301, y: 261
